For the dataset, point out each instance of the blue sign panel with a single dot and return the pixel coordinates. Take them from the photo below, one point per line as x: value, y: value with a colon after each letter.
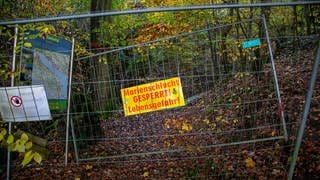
x: 251, y: 43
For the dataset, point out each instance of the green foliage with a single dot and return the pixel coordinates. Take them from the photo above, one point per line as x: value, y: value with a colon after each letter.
x: 20, y: 145
x: 193, y: 173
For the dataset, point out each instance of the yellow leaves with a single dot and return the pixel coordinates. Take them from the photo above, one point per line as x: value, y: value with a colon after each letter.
x: 249, y: 163
x: 37, y: 157
x: 170, y: 142
x: 206, y: 121
x: 239, y: 75
x: 235, y: 121
x: 24, y: 137
x: 27, y: 158
x: 10, y: 139
x: 27, y: 45
x: 186, y: 127
x: 152, y: 46
x: 218, y: 118
x: 167, y: 143
x: 81, y: 51
x: 145, y: 174
x: 254, y: 58
x: 167, y: 124
x: 88, y: 167
x: 233, y: 50
x: 102, y: 60
x: 152, y: 32
x: 170, y: 3
x: 69, y: 9
x: 20, y: 145
x: 28, y: 145
x: 212, y: 125
x: 172, y: 123
x: 2, y: 134
x: 182, y: 125
x: 46, y: 29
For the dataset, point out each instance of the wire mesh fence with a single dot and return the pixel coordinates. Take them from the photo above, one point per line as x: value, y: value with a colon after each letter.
x: 227, y: 88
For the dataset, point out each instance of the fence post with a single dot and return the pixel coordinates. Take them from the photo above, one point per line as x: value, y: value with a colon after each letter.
x: 305, y: 112
x: 275, y: 80
x: 69, y: 103
x: 13, y: 69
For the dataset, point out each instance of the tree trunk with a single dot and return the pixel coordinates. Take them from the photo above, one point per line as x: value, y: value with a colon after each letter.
x: 306, y: 13
x: 98, y: 6
x: 96, y: 72
x: 101, y: 71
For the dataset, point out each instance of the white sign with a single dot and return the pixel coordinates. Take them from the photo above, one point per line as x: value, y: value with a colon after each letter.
x: 24, y: 103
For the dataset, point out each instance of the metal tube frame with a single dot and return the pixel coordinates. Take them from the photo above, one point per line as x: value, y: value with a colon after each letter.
x: 285, y: 133
x: 13, y: 69
x: 69, y: 102
x: 305, y: 113
x: 164, y: 9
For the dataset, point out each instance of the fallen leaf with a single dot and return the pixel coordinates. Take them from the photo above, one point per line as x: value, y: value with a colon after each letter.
x: 167, y: 123
x: 28, y: 145
x: 27, y: 158
x: 176, y: 124
x: 206, y: 121
x: 3, y: 132
x: 88, y: 167
x: 37, y: 157
x: 146, y: 174
x: 250, y: 163
x: 24, y: 137
x: 186, y: 127
x: 10, y: 139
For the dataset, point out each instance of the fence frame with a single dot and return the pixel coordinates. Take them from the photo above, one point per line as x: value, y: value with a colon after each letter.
x: 164, y: 9
x: 274, y: 74
x: 168, y: 9
x: 306, y: 109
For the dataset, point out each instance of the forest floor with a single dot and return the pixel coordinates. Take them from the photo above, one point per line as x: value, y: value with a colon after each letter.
x: 267, y: 160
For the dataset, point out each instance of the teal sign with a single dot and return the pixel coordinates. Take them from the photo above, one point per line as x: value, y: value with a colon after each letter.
x: 251, y: 43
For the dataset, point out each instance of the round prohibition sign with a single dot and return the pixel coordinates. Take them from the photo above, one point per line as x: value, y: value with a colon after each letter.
x: 16, y: 101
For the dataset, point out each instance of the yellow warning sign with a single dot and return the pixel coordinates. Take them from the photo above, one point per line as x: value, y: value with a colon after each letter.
x: 153, y: 96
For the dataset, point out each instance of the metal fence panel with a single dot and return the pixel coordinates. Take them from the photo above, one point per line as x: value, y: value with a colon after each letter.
x: 227, y: 89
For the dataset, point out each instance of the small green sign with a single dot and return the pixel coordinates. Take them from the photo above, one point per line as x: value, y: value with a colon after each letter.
x: 251, y: 43
x: 53, y: 39
x: 57, y: 104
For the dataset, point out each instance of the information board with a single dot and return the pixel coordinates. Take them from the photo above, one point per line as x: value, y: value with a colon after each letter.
x: 153, y: 96
x: 46, y: 60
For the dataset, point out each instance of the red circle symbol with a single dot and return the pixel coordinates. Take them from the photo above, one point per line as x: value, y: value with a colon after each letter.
x: 16, y: 101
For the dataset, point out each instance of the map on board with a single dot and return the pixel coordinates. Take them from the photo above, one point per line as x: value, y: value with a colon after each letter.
x: 51, y: 69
